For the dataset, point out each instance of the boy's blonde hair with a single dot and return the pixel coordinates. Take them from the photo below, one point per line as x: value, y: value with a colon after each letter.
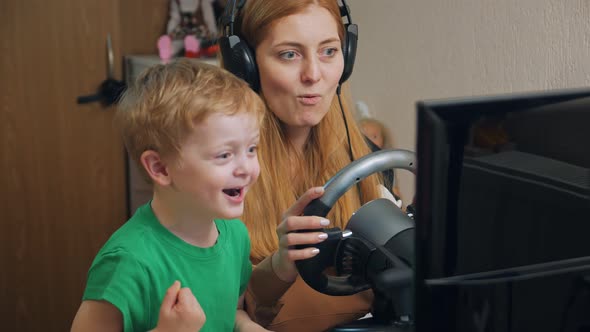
x: 161, y: 108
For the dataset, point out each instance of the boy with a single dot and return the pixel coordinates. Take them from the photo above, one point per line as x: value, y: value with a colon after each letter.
x: 193, y: 129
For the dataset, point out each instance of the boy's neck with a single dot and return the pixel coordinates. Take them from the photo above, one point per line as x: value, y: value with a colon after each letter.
x: 187, y: 224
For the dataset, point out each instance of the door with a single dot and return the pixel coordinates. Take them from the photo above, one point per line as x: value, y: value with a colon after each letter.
x: 63, y: 170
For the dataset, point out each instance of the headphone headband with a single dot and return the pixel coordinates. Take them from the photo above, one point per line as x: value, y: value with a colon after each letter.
x: 228, y: 18
x: 345, y: 11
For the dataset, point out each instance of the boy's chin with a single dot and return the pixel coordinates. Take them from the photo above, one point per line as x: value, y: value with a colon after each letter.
x: 233, y: 213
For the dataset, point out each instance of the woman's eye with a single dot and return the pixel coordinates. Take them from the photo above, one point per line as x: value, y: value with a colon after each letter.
x: 288, y: 55
x: 224, y: 155
x: 252, y: 149
x: 330, y: 51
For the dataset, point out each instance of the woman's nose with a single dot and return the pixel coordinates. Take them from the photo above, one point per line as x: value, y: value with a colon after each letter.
x: 311, y: 72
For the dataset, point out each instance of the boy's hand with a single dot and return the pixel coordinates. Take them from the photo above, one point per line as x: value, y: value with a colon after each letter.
x: 180, y: 311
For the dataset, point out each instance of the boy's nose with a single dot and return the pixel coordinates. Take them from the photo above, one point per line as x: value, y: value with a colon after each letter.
x: 245, y: 166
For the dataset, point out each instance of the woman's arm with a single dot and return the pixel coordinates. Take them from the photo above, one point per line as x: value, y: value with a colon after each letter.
x: 272, y: 277
x: 265, y: 286
x: 243, y: 322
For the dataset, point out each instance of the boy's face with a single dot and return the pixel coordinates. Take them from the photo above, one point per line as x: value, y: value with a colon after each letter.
x: 217, y: 165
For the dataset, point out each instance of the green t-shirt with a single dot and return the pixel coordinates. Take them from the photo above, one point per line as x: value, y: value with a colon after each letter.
x: 142, y: 259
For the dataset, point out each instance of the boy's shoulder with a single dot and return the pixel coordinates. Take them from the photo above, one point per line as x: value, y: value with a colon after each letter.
x: 136, y: 233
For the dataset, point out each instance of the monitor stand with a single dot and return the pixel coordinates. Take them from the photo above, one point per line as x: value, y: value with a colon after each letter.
x: 371, y: 325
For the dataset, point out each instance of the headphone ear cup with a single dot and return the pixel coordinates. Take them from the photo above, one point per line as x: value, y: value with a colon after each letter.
x: 349, y: 51
x: 239, y: 59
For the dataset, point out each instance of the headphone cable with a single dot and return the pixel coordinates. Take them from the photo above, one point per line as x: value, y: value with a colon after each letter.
x: 345, y: 122
x: 358, y: 184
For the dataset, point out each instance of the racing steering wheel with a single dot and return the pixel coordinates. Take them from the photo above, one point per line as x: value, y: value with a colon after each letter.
x: 312, y: 270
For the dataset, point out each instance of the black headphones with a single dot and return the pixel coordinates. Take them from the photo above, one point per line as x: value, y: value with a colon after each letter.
x: 238, y: 56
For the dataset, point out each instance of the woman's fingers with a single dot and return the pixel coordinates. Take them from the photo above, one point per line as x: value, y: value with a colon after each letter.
x: 287, y: 231
x: 305, y: 238
x: 295, y: 255
x: 293, y: 239
x: 297, y: 208
x: 295, y: 223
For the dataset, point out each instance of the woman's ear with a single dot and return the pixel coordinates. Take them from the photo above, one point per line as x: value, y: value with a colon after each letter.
x: 155, y: 167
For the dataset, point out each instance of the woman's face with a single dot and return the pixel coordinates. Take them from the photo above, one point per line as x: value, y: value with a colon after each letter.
x: 300, y: 63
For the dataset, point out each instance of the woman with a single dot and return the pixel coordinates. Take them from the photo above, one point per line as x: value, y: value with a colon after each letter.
x: 299, y: 59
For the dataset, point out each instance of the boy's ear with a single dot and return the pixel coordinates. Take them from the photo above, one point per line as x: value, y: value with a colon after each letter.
x: 155, y: 166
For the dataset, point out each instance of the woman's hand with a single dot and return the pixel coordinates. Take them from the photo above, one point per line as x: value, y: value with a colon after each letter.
x: 283, y: 260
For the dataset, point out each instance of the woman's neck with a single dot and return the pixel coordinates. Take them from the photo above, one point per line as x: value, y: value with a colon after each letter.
x: 187, y: 224
x: 298, y: 137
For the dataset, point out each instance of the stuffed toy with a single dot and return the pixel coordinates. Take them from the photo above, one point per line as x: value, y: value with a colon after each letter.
x: 191, y: 27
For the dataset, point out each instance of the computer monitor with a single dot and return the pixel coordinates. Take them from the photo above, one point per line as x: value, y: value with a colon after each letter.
x: 503, y: 213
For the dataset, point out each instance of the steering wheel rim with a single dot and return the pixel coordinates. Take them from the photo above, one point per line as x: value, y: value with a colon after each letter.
x: 334, y: 188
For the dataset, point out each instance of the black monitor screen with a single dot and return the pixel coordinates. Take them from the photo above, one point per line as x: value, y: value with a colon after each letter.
x: 503, y: 213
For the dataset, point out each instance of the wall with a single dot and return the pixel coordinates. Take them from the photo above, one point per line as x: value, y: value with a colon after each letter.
x: 415, y: 50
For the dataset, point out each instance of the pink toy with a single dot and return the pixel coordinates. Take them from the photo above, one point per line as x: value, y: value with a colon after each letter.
x: 192, y: 46
x: 191, y: 23
x: 165, y: 47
